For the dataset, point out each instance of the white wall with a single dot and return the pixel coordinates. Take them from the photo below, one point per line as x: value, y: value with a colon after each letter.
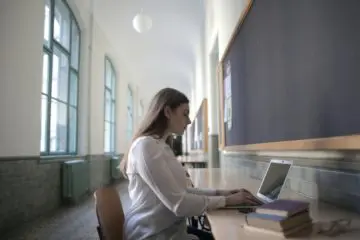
x: 101, y: 48
x: 220, y: 21
x: 192, y: 100
x: 198, y: 90
x: 137, y: 113
x: 84, y: 20
x: 21, y: 49
x: 222, y: 17
x: 21, y: 42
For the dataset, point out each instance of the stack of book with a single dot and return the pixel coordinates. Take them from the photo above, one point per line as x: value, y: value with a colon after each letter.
x: 282, y: 217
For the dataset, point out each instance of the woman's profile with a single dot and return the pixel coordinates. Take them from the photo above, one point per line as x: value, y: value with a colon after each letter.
x: 160, y: 197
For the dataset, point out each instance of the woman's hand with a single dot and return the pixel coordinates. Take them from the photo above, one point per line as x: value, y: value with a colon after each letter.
x: 242, y: 197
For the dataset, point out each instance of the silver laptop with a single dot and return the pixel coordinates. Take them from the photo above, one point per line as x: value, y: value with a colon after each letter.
x: 272, y: 183
x: 274, y: 180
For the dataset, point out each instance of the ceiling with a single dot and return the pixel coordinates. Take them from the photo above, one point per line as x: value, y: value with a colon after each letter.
x: 163, y: 57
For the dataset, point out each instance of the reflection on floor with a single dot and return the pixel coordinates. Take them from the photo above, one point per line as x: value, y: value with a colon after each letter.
x: 76, y: 223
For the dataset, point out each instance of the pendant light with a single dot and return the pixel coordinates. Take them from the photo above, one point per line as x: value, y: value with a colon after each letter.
x: 141, y: 22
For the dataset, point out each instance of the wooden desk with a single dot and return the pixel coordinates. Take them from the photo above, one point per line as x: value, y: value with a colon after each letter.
x: 228, y: 224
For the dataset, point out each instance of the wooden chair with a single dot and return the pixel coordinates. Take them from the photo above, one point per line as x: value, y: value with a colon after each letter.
x: 110, y: 214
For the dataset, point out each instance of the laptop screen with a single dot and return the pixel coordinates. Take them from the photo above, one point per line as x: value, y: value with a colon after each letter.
x: 274, y: 180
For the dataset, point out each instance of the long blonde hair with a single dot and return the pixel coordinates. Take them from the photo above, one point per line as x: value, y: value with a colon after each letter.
x: 155, y: 122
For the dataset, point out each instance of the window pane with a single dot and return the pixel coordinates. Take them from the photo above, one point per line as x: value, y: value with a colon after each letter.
x: 72, y: 129
x: 113, y: 86
x: 112, y: 143
x: 60, y: 71
x: 45, y: 77
x: 130, y: 98
x: 58, y: 127
x: 129, y: 135
x: 47, y: 22
x: 107, y: 137
x: 107, y: 105
x: 108, y: 74
x: 73, y: 88
x: 44, y: 113
x: 113, y: 116
x: 75, y: 42
x: 62, y: 24
x: 130, y: 123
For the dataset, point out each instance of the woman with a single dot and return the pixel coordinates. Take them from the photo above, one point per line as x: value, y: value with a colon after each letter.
x: 158, y: 189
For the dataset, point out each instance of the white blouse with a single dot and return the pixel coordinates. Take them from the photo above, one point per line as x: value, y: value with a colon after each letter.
x: 160, y: 199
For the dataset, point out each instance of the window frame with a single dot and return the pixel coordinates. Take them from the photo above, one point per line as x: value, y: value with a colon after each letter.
x: 49, y: 50
x: 109, y: 63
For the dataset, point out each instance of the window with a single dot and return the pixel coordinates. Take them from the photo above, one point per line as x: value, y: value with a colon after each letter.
x: 110, y: 95
x: 130, y: 112
x: 59, y: 95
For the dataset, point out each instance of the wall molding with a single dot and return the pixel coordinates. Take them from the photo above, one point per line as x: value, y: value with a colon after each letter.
x: 345, y: 161
x: 57, y: 158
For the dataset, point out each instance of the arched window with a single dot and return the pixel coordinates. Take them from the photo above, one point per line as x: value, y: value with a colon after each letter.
x: 110, y: 107
x: 59, y: 97
x: 130, y: 107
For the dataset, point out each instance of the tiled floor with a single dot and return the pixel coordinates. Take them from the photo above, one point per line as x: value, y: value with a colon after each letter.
x: 75, y: 223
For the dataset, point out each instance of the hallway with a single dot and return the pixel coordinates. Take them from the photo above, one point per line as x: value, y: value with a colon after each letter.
x: 73, y: 223
x: 264, y: 80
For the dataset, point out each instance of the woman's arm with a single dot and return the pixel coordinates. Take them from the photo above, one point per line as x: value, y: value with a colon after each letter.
x: 207, y: 191
x: 203, y: 191
x: 151, y: 164
x: 199, y: 191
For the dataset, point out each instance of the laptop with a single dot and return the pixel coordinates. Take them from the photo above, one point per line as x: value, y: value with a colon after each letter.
x: 271, y: 184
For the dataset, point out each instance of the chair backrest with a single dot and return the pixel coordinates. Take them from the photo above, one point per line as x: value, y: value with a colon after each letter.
x: 110, y: 213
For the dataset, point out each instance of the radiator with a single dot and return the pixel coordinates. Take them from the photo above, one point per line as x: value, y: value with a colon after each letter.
x: 75, y: 180
x: 114, y: 168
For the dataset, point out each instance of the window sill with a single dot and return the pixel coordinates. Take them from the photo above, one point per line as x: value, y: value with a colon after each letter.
x: 59, y: 158
x: 112, y: 155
